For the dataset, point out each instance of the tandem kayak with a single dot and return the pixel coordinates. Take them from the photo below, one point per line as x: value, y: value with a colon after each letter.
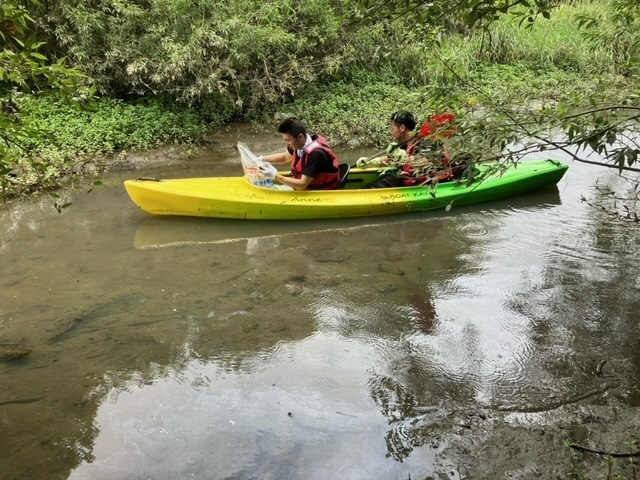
x: 237, y: 197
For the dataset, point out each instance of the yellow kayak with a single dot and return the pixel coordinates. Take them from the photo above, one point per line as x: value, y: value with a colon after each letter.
x: 237, y: 197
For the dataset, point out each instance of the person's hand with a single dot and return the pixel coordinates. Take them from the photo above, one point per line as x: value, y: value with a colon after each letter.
x: 398, y: 156
x: 361, y: 162
x: 268, y: 171
x: 261, y: 159
x: 372, y: 162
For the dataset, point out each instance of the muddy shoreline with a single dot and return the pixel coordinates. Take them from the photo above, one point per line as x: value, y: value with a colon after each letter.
x: 492, y: 444
x: 223, y: 140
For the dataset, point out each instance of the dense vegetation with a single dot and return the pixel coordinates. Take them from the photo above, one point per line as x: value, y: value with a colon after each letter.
x: 170, y: 70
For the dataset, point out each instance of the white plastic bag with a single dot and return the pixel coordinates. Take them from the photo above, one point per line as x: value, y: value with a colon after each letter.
x: 251, y: 166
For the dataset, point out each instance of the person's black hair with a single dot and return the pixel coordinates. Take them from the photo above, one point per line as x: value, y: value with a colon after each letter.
x: 404, y: 117
x: 293, y: 126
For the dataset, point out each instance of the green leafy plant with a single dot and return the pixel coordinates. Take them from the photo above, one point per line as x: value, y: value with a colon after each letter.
x: 24, y: 69
x: 249, y: 51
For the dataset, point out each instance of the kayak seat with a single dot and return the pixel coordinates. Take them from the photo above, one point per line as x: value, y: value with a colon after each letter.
x: 343, y: 168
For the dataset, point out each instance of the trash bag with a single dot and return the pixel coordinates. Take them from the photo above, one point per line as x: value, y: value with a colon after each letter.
x: 251, y: 166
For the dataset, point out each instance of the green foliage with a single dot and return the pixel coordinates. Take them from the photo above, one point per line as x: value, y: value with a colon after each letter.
x: 615, y: 29
x: 110, y: 125
x: 42, y: 130
x: 549, y: 47
x: 24, y: 69
x: 554, y: 42
x: 472, y: 13
x: 251, y: 51
x: 549, y: 62
x: 496, y: 120
x: 66, y: 135
x: 519, y: 83
x: 357, y: 113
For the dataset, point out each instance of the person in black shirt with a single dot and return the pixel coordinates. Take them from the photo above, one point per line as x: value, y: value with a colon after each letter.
x: 314, y: 165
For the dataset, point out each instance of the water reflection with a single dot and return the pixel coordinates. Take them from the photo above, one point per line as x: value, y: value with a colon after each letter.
x: 205, y: 422
x: 162, y: 232
x: 168, y: 348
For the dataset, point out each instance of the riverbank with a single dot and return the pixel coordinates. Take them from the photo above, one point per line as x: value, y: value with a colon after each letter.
x: 552, y: 63
x: 351, y: 116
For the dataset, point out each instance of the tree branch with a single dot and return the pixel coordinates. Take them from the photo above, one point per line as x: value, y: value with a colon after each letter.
x: 600, y: 452
x: 556, y: 145
x: 602, y: 109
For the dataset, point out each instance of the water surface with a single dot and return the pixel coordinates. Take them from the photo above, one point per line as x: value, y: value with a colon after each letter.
x: 171, y: 348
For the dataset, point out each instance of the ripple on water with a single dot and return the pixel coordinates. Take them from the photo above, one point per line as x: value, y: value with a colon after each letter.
x: 476, y: 349
x: 473, y: 230
x: 281, y: 427
x: 500, y: 234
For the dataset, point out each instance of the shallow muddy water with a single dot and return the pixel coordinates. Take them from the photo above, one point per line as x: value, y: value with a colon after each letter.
x: 172, y: 348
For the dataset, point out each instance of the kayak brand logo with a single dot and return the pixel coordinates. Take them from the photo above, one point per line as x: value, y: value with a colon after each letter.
x: 396, y: 196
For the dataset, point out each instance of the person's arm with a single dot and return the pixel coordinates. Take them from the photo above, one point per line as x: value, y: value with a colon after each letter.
x: 317, y: 163
x: 296, y: 183
x: 278, y: 158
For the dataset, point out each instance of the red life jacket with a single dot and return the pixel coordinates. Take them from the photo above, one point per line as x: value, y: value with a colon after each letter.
x: 439, y: 126
x: 322, y: 181
x: 443, y: 174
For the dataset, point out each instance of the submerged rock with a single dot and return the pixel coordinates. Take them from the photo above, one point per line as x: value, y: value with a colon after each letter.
x: 13, y: 352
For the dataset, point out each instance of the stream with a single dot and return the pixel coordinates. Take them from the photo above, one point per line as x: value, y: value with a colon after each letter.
x: 462, y: 344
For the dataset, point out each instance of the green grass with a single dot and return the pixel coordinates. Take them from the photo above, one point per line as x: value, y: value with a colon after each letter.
x: 556, y: 42
x: 109, y: 126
